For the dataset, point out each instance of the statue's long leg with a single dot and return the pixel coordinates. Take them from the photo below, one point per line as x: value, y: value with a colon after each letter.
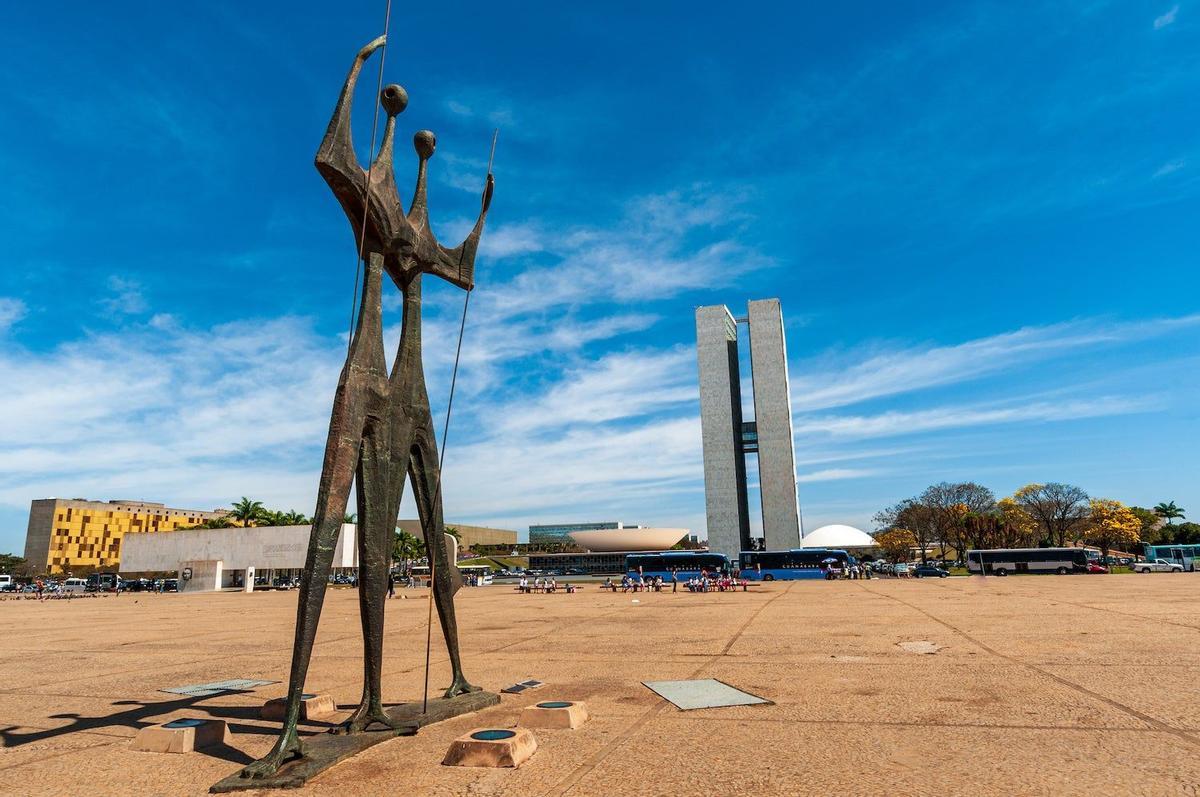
x: 362, y: 382
x: 377, y: 510
x: 423, y: 470
x: 341, y: 453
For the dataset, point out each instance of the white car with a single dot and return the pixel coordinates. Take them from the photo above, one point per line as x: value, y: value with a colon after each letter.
x: 1157, y: 566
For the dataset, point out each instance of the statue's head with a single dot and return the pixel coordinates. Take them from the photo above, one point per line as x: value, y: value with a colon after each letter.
x: 425, y: 142
x: 394, y: 99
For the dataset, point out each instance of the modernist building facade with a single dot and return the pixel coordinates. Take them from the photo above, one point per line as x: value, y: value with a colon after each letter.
x: 66, y: 533
x: 468, y: 536
x: 560, y: 533
x: 213, y: 559
x: 727, y: 437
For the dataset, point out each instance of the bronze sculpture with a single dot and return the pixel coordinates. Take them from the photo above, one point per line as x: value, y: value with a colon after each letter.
x: 380, y: 429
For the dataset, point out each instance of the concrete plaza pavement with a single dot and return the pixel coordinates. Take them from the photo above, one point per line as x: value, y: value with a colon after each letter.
x: 1039, y: 685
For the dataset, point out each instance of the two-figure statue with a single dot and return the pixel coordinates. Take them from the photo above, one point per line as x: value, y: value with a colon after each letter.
x: 381, y: 429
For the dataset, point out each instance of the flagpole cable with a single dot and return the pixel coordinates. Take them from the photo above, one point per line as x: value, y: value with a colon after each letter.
x: 437, y: 493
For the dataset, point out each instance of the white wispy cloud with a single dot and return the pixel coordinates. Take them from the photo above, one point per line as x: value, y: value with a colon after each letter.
x: 125, y: 297
x: 834, y: 474
x: 1167, y: 18
x: 1169, y: 168
x: 866, y: 374
x: 12, y: 310
x: 888, y: 424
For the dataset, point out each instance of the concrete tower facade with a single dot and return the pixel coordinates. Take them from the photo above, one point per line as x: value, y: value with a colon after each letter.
x: 773, y: 422
x: 727, y: 438
x: 721, y: 428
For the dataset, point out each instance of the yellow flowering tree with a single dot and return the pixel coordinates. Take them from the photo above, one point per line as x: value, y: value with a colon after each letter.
x: 897, y: 544
x: 1112, y: 525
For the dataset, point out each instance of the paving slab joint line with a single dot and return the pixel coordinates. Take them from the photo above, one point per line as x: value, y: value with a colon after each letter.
x: 1154, y: 721
x: 566, y: 784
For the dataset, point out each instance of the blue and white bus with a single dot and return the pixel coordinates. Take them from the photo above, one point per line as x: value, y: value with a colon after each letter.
x: 792, y: 565
x: 1185, y: 555
x: 684, y: 564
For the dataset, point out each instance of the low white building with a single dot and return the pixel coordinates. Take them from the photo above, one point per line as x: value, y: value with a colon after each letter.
x: 213, y: 559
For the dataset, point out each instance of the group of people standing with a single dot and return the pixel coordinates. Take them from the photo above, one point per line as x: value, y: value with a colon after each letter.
x: 855, y: 571
x: 540, y: 584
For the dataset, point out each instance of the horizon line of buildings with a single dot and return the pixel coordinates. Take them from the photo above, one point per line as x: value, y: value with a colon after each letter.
x: 71, y: 533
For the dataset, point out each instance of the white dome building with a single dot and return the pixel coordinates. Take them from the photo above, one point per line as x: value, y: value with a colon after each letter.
x: 838, y: 537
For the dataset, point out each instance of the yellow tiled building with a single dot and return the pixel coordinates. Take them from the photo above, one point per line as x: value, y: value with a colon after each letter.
x: 66, y: 533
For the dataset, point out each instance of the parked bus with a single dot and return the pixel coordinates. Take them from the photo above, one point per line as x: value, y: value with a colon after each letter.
x: 1185, y: 555
x: 684, y: 564
x: 792, y: 565
x: 1002, y: 561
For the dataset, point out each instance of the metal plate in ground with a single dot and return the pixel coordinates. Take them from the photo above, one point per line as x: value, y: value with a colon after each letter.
x: 217, y: 687
x: 703, y: 693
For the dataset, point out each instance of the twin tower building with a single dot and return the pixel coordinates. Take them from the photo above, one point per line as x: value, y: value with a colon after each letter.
x: 728, y: 437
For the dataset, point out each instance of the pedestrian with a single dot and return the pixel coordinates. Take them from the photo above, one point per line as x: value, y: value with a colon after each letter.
x: 674, y: 581
x: 391, y: 584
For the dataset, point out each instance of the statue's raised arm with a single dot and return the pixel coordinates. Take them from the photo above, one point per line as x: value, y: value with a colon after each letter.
x: 457, y: 265
x: 336, y: 160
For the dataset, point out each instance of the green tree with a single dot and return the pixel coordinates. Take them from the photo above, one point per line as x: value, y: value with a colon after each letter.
x: 294, y: 518
x: 1185, y: 534
x: 246, y: 511
x: 1061, y: 510
x: 406, y: 547
x: 1153, y: 528
x: 10, y: 562
x: 350, y: 517
x: 915, y: 516
x: 1168, y: 511
x: 950, y: 504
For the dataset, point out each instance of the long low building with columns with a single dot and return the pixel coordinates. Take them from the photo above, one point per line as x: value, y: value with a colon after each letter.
x: 213, y: 559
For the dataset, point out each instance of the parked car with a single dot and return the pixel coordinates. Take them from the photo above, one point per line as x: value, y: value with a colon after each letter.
x: 75, y: 585
x: 929, y: 571
x: 1158, y: 566
x: 1095, y: 567
x: 171, y: 585
x: 900, y: 569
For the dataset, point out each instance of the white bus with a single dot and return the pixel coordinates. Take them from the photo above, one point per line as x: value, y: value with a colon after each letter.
x: 1002, y: 561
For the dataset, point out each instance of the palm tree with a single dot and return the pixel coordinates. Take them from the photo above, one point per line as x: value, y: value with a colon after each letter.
x: 1168, y: 511
x: 246, y: 511
x: 293, y: 518
x: 222, y: 522
x: 349, y: 517
x: 405, y: 546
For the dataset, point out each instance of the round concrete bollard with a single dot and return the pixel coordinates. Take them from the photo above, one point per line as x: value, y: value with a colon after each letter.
x: 491, y: 747
x: 554, y: 714
x: 312, y: 707
x: 181, y: 736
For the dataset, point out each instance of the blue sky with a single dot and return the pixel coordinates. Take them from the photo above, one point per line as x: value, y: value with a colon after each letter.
x: 981, y: 219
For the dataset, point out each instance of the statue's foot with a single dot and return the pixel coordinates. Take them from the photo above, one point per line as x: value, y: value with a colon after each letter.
x: 366, y: 715
x: 287, y: 748
x: 459, y: 687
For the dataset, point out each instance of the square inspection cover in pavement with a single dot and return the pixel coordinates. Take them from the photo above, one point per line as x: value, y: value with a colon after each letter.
x: 217, y: 687
x: 703, y: 693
